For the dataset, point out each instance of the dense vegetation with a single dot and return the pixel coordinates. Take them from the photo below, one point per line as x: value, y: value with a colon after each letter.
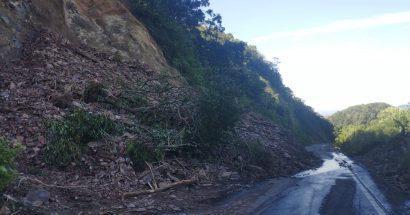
x: 231, y: 76
x: 7, y: 156
x: 389, y: 129
x: 357, y: 115
x: 68, y: 138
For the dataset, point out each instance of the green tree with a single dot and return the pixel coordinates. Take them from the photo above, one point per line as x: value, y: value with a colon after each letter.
x: 357, y: 115
x: 398, y: 117
x: 230, y: 76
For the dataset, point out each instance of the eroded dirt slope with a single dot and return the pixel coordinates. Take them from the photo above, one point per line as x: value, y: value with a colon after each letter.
x: 105, y: 25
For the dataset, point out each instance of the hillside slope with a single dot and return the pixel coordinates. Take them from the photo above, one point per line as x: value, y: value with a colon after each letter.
x: 88, y: 94
x: 31, y: 99
x: 357, y: 115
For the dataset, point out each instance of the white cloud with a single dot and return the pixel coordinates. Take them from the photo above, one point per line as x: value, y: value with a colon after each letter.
x: 338, y: 26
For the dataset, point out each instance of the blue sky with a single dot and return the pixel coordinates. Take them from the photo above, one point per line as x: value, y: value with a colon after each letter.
x: 334, y: 53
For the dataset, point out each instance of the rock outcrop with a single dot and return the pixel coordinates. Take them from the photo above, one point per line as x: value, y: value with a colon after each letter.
x: 105, y: 25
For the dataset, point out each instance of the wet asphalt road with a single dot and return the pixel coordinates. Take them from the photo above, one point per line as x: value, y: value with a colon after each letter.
x: 338, y: 187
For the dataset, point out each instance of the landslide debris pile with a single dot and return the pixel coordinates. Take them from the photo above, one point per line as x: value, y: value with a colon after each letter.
x: 290, y: 155
x: 52, y: 78
x: 55, y: 76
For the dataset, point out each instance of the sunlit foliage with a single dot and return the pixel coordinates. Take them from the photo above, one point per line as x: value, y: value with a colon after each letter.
x: 359, y: 138
x: 231, y: 76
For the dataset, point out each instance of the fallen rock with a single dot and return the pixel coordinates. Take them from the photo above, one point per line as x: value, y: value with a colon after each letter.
x: 36, y: 198
x: 226, y: 174
x: 175, y: 208
x: 131, y: 205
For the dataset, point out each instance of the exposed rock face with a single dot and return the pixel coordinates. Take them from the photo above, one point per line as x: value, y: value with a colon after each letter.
x: 12, y: 21
x: 292, y: 157
x: 105, y: 25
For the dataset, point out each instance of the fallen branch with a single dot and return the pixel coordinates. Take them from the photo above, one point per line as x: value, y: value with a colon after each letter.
x: 15, y: 213
x: 85, y: 55
x: 149, y: 171
x: 178, y: 183
x: 180, y: 164
x: 50, y: 185
x: 152, y: 175
x: 254, y: 167
x: 173, y: 178
x: 10, y: 198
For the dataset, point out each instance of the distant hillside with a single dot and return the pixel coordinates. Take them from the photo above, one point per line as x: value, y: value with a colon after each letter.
x: 357, y: 115
x: 404, y: 107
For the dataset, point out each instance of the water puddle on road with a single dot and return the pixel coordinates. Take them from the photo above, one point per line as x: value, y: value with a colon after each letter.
x: 337, y: 162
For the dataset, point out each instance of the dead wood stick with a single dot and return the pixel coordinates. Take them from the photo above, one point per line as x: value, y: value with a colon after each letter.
x: 152, y: 175
x: 149, y: 171
x: 51, y: 185
x: 83, y: 54
x: 178, y: 183
x: 172, y: 177
x: 180, y: 164
x: 10, y: 198
x: 15, y: 213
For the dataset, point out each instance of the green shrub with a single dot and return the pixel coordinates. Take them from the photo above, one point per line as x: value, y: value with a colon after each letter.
x: 82, y: 127
x: 7, y: 157
x: 68, y: 138
x: 165, y: 137
x: 61, y: 152
x: 230, y: 76
x: 357, y: 139
x: 140, y: 153
x: 133, y: 99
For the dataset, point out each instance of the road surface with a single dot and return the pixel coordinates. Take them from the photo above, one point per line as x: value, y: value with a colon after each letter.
x: 339, y: 186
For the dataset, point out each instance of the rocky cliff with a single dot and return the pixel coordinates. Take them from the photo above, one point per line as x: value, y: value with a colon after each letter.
x: 105, y: 25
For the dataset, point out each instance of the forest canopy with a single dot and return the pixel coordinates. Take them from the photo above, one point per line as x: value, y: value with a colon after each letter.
x: 357, y: 115
x: 232, y: 76
x: 366, y: 130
